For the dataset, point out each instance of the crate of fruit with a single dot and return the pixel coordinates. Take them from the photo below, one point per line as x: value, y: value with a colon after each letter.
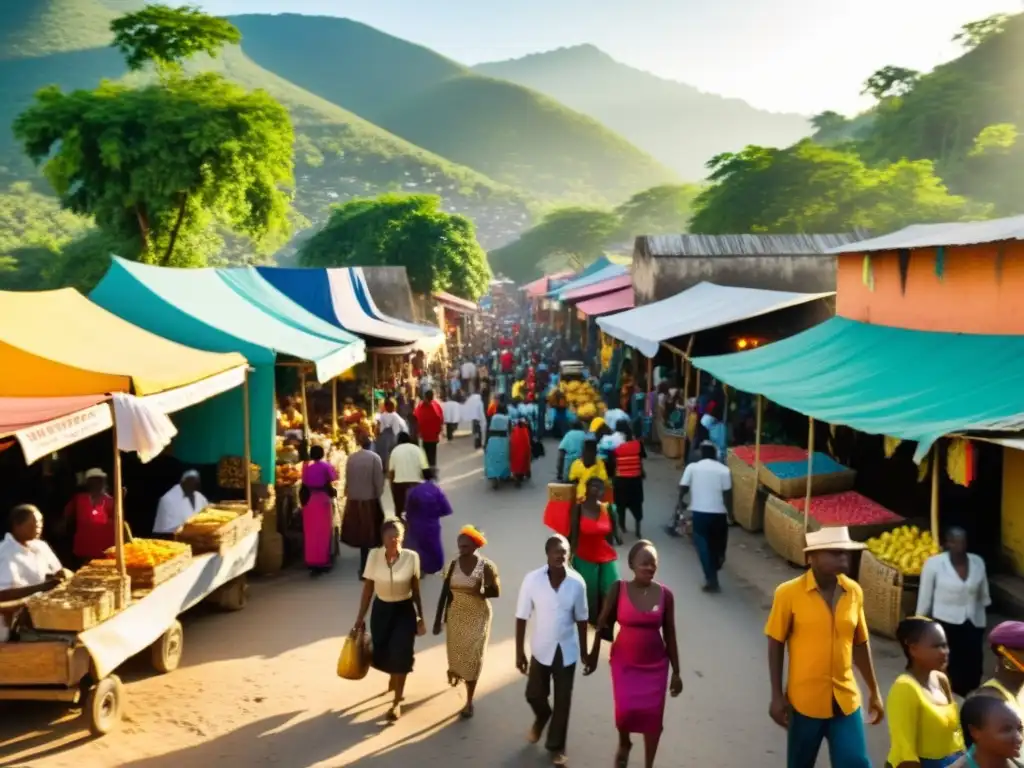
x: 216, y: 529
x: 70, y: 609
x: 745, y: 455
x: 865, y: 518
x: 748, y: 498
x: 783, y: 531
x: 788, y: 479
x: 151, y: 562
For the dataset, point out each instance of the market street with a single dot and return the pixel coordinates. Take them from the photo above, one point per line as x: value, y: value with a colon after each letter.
x: 259, y: 687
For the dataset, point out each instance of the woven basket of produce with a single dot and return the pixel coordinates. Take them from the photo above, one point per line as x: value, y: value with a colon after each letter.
x: 216, y: 529
x: 865, y: 518
x: 784, y: 532
x: 883, y: 595
x: 69, y: 608
x: 788, y: 479
x: 671, y: 446
x: 150, y: 562
x: 747, y: 498
x: 231, y: 472
x: 905, y: 548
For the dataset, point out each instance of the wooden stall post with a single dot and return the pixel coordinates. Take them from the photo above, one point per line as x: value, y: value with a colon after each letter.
x: 373, y: 384
x: 810, y: 467
x: 650, y: 383
x: 246, y: 440
x: 935, y: 492
x: 334, y: 408
x: 757, y: 448
x: 305, y: 407
x: 122, y: 570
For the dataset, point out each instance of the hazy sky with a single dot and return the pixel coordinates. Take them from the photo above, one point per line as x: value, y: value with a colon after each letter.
x: 783, y: 55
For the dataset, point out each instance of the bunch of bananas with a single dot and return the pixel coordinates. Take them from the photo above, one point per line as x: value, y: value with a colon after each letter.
x: 905, y: 548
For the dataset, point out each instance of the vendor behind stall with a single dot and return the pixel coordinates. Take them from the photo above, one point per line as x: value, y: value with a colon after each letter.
x: 89, y: 517
x: 27, y: 564
x: 179, y: 504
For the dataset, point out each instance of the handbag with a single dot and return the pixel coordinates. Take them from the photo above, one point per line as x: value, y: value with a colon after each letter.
x: 354, y: 661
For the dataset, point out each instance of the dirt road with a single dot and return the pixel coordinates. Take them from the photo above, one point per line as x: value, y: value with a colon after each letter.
x: 258, y: 688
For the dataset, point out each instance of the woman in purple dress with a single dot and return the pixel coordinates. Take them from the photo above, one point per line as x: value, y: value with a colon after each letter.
x: 318, y: 494
x: 641, y: 654
x: 425, y: 505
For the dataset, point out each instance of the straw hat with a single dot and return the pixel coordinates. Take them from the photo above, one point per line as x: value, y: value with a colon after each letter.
x: 94, y: 472
x: 837, y: 537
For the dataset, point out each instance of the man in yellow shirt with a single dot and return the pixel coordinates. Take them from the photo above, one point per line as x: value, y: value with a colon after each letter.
x: 820, y: 618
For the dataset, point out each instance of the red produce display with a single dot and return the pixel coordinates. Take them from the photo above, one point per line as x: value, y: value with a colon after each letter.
x: 848, y: 508
x: 745, y: 453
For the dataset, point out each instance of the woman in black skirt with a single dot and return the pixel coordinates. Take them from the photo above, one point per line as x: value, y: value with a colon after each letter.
x: 392, y: 577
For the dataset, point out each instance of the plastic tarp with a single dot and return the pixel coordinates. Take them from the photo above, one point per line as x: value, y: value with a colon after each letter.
x: 616, y: 301
x: 200, y: 308
x: 588, y: 277
x: 953, y: 234
x: 888, y: 381
x: 616, y: 283
x: 699, y: 308
x: 58, y: 343
x: 456, y: 303
x: 335, y: 296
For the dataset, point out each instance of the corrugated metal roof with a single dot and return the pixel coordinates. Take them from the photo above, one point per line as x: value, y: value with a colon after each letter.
x: 747, y: 245
x: 957, y: 233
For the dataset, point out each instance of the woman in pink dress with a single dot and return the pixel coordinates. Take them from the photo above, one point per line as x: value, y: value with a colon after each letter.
x: 318, y: 495
x: 641, y: 654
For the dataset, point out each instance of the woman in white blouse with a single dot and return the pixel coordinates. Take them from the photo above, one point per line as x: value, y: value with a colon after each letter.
x: 392, y: 579
x: 954, y: 592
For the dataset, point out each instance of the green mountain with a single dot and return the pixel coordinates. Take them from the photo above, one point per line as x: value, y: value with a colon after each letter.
x: 510, y: 133
x: 338, y: 154
x: 678, y: 124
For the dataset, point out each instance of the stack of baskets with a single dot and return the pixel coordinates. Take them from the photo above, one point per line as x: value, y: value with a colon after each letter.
x: 886, y: 601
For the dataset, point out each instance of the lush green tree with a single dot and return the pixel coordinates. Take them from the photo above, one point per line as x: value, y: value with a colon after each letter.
x: 439, y: 250
x: 165, y: 37
x: 891, y: 81
x: 994, y: 168
x: 564, y: 237
x: 828, y: 122
x: 815, y: 189
x: 165, y: 165
x: 659, y: 210
x: 974, y: 33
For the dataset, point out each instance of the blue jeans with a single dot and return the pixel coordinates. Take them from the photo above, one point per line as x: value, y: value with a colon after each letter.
x: 710, y: 536
x: 847, y: 744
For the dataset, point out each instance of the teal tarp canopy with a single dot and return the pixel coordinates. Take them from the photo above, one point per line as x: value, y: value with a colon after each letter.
x: 233, y: 312
x: 914, y: 385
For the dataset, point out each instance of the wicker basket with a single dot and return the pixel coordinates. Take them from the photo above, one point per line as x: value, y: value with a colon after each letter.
x: 78, y: 616
x: 794, y: 487
x: 221, y: 539
x: 883, y: 595
x: 146, y: 579
x: 785, y: 533
x: 747, y: 497
x: 671, y: 446
x: 561, y: 492
x: 270, y: 554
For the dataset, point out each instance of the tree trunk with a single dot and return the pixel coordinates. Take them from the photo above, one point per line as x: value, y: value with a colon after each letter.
x: 143, y: 220
x: 176, y: 230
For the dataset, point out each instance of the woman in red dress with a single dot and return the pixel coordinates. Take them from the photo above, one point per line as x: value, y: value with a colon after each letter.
x: 90, y: 517
x: 519, y: 445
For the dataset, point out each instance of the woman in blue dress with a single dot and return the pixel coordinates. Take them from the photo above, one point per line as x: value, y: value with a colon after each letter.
x: 496, y: 450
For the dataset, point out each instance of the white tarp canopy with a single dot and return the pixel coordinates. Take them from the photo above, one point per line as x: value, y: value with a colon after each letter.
x: 699, y: 308
x: 952, y: 234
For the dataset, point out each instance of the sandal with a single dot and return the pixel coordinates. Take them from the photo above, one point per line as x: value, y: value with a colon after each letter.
x: 394, y: 713
x: 467, y: 712
x: 560, y: 759
x: 622, y: 756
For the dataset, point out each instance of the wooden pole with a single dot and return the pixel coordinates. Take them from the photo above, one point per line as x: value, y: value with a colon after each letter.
x: 650, y: 382
x: 118, y: 482
x: 247, y: 440
x: 305, y: 408
x: 334, y: 408
x: 757, y: 448
x: 935, y: 493
x: 373, y: 384
x: 810, y: 466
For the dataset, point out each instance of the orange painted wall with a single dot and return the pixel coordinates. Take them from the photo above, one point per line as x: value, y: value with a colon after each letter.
x: 970, y: 297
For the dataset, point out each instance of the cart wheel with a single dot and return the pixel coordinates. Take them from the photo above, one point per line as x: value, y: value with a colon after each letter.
x: 166, y: 652
x: 234, y: 595
x: 103, y: 705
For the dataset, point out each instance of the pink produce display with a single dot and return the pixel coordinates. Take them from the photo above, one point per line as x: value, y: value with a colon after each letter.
x: 745, y: 453
x: 847, y: 508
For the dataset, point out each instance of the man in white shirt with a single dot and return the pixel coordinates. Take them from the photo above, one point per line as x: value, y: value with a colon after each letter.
x: 473, y: 412
x: 468, y: 373
x: 27, y: 564
x: 556, y: 598
x: 452, y: 408
x: 179, y: 504
x: 710, y: 487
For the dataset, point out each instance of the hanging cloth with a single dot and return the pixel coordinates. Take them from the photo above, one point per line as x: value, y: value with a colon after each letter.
x: 868, y: 273
x: 904, y: 262
x: 889, y: 445
x: 960, y: 461
x: 940, y: 261
x: 922, y: 469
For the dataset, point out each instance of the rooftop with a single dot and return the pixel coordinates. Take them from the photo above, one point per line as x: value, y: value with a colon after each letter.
x: 744, y: 245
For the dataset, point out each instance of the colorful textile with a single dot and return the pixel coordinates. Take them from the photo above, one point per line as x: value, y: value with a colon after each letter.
x: 497, y: 464
x: 581, y: 474
x: 572, y: 444
x: 919, y: 728
x: 599, y: 578
x: 520, y: 451
x: 468, y: 621
x: 640, y: 665
x: 318, y: 514
x: 94, y: 524
x: 430, y: 419
x: 425, y: 505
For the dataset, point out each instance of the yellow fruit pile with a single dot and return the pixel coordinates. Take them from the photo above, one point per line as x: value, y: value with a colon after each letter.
x: 579, y: 394
x: 905, y: 548
x: 209, y: 520
x: 146, y: 553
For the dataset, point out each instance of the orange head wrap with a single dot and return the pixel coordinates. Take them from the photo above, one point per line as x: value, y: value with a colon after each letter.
x: 470, y: 532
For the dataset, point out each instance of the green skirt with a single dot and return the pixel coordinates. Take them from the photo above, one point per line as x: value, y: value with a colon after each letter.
x: 599, y: 578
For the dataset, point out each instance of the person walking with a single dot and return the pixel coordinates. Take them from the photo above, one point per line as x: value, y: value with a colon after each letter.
x: 317, y: 495
x: 628, y: 459
x: 392, y: 580
x: 591, y: 534
x: 520, y: 445
x: 452, y: 415
x: 819, y: 619
x: 364, y: 485
x: 408, y: 463
x: 473, y: 412
x: 954, y: 591
x: 389, y: 426
x: 497, y: 453
x: 924, y: 724
x: 430, y: 420
x: 571, y: 448
x: 709, y: 485
x: 642, y: 652
x: 468, y: 372
x: 464, y: 607
x: 1007, y: 683
x: 992, y: 732
x: 425, y: 505
x: 555, y: 597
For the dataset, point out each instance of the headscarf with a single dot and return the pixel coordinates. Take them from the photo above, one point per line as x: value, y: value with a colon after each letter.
x: 596, y: 424
x: 1007, y: 640
x: 474, y: 535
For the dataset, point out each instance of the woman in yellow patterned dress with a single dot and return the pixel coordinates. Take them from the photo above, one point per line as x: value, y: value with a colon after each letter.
x: 470, y: 581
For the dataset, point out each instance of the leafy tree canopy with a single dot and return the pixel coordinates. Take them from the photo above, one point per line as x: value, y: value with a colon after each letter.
x: 166, y: 37
x: 815, y: 189
x: 974, y: 33
x: 662, y: 210
x: 891, y: 81
x: 439, y: 250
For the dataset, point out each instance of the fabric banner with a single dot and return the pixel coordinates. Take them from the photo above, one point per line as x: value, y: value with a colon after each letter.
x: 40, y: 439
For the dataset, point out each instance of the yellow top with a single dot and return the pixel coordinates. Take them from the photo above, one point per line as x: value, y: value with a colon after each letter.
x: 393, y: 583
x: 581, y: 475
x: 919, y: 727
x: 55, y: 343
x: 820, y: 643
x: 1014, y: 701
